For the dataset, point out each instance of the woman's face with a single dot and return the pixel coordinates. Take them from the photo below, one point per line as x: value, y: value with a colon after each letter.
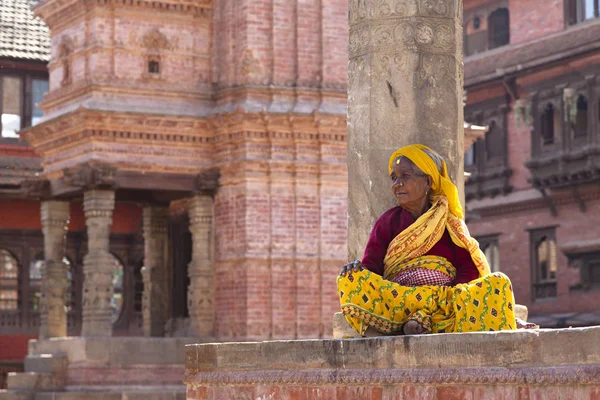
x: 409, y: 188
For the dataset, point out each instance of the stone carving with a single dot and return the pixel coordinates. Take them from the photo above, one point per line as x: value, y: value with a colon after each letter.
x: 155, y: 298
x: 53, y: 317
x: 207, y: 181
x: 557, y: 375
x: 156, y: 40
x: 434, y: 70
x: 250, y: 66
x: 90, y: 175
x: 363, y: 10
x: 36, y: 188
x: 201, y: 291
x: 418, y: 36
x: 98, y: 264
x: 437, y: 8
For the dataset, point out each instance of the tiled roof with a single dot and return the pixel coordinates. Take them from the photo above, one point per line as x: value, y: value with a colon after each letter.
x: 512, y: 59
x: 22, y: 36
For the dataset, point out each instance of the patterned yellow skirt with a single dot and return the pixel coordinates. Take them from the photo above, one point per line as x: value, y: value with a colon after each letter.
x: 485, y: 304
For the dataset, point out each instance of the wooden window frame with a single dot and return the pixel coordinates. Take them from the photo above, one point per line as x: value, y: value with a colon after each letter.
x: 571, y: 14
x: 490, y: 240
x: 535, y: 238
x: 489, y: 175
x: 26, y: 105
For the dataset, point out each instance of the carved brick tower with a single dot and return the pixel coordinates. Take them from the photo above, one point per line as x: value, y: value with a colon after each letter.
x: 235, y: 108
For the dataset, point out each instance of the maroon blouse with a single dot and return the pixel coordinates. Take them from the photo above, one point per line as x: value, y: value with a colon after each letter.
x: 394, y: 221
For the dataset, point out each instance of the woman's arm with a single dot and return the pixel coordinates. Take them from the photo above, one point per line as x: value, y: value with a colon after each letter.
x: 466, y: 271
x: 379, y: 240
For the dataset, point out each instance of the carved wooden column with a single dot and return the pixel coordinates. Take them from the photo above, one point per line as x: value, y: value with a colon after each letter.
x: 201, y: 291
x: 53, y: 314
x: 155, y: 300
x: 405, y: 76
x: 98, y: 263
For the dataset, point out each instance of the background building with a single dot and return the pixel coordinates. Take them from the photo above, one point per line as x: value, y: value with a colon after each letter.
x: 532, y: 74
x: 212, y: 134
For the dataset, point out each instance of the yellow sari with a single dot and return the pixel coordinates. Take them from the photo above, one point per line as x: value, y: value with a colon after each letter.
x: 485, y: 304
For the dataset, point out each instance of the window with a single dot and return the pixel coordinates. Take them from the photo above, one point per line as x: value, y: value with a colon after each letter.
x: 499, y: 28
x: 544, y: 263
x: 494, y: 146
x: 9, y: 281
x: 549, y: 119
x: 21, y: 95
x: 490, y: 248
x: 117, y: 299
x: 153, y: 67
x: 12, y: 114
x: 580, y: 128
x: 471, y: 155
x: 582, y: 10
x: 35, y: 281
x: 39, y: 87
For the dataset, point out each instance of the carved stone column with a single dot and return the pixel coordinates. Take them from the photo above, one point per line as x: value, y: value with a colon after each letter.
x: 405, y: 86
x: 98, y: 263
x: 155, y: 300
x: 201, y: 292
x: 53, y: 314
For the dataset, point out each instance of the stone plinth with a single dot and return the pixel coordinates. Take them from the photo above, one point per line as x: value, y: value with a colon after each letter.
x: 540, y: 364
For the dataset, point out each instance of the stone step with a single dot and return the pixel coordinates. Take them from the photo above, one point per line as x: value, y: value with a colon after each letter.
x: 16, y: 395
x: 47, y: 363
x: 128, y: 395
x: 30, y: 381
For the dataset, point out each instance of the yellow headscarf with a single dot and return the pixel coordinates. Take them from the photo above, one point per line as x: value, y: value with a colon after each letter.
x: 441, y: 185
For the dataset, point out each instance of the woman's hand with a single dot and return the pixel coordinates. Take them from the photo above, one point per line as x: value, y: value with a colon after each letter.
x: 354, y: 266
x: 526, y: 325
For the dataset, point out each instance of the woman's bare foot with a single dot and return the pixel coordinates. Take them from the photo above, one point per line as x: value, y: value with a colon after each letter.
x: 413, y: 327
x: 526, y: 325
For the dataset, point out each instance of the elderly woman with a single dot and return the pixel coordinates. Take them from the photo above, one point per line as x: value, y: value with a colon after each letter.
x: 422, y: 272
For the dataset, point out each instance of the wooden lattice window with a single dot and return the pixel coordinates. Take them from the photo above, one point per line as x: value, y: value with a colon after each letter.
x: 581, y: 120
x: 550, y: 118
x: 499, y: 28
x: 544, y: 263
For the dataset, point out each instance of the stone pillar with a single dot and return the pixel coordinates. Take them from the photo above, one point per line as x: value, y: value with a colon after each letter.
x: 201, y: 292
x: 155, y: 300
x: 98, y: 263
x: 405, y: 76
x: 53, y: 314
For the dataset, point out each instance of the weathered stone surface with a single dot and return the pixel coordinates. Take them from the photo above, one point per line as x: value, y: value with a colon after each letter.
x: 53, y: 317
x: 201, y: 291
x: 405, y: 86
x: 30, y: 381
x: 46, y: 363
x: 155, y: 300
x: 468, y: 365
x: 98, y: 264
x: 16, y: 395
x: 540, y: 348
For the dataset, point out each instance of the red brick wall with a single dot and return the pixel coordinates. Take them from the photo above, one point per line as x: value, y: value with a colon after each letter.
x: 529, y: 19
x: 14, y: 347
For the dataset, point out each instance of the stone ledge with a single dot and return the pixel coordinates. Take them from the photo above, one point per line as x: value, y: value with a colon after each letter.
x: 114, y: 351
x: 531, y: 349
